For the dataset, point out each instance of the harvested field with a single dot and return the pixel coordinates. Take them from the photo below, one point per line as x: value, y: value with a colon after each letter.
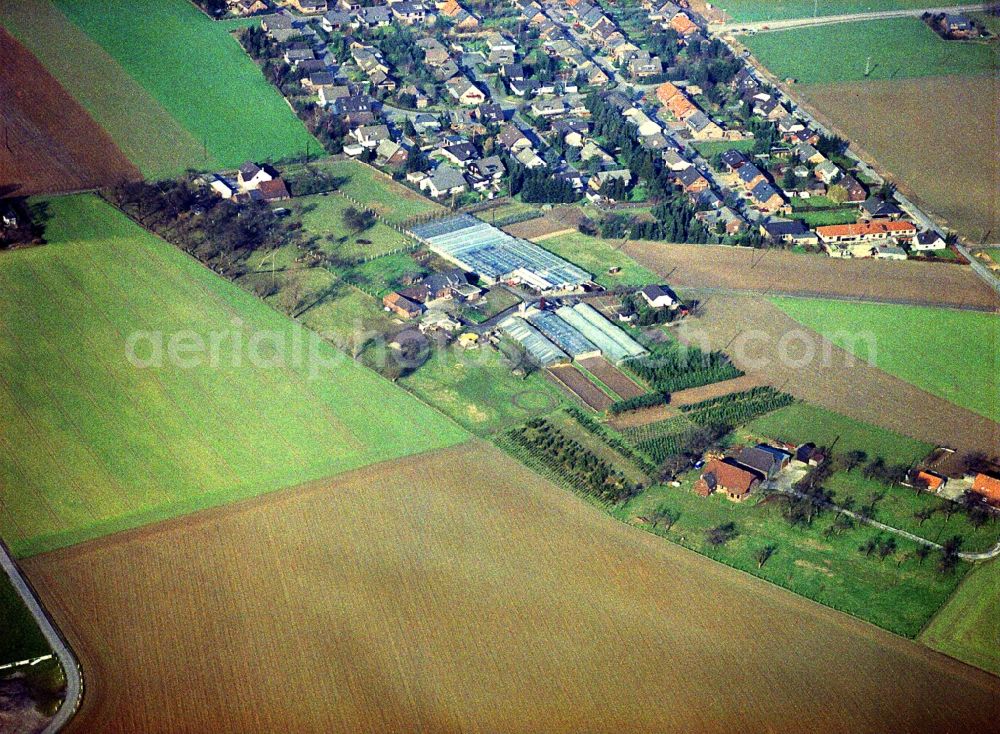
x: 936, y: 137
x: 715, y: 390
x: 620, y: 383
x: 642, y: 417
x: 403, y: 597
x: 578, y: 385
x: 560, y: 220
x: 763, y: 341
x: 41, y: 153
x: 777, y: 272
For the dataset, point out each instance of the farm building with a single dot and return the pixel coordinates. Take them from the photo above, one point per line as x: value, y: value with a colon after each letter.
x: 495, y: 256
x: 726, y: 476
x: 537, y: 346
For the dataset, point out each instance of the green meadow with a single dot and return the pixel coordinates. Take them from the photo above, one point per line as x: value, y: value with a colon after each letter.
x: 949, y: 353
x: 897, y: 48
x: 764, y: 10
x: 146, y: 387
x: 181, y: 91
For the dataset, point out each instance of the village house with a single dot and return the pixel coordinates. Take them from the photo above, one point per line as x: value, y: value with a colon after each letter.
x: 309, y: 7
x: 464, y: 91
x: 444, y: 181
x: 788, y: 232
x: 764, y: 459
x: 645, y: 125
x: 766, y: 197
x: 512, y: 139
x: 726, y: 476
x: 929, y: 239
x: 660, y: 296
x: 250, y: 175
x: 827, y: 172
x: 876, y: 207
x: 702, y: 127
x: 401, y: 306
x: 988, y: 487
x: 859, y: 239
x: 369, y: 136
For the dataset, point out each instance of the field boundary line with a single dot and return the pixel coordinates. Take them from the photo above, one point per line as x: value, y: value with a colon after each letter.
x: 60, y: 647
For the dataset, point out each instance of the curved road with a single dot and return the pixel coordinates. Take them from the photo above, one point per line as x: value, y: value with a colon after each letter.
x: 74, y: 678
x: 766, y: 26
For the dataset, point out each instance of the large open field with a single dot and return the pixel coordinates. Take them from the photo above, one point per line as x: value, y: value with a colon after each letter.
x: 598, y: 257
x: 40, y: 153
x: 968, y: 627
x: 458, y: 592
x: 935, y: 136
x: 952, y: 354
x: 764, y: 341
x: 775, y: 272
x: 763, y: 10
x: 206, y: 93
x: 898, y: 48
x: 99, y: 444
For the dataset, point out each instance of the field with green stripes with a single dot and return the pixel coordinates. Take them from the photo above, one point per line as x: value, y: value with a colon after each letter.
x: 121, y: 420
x: 172, y: 88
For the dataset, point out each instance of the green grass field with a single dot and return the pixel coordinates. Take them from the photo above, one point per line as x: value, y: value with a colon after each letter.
x: 598, y: 256
x: 968, y: 626
x: 899, y: 593
x: 763, y: 10
x: 823, y: 217
x: 100, y: 444
x: 323, y: 217
x: 20, y: 637
x: 376, y: 190
x: 145, y: 131
x: 479, y: 391
x: 994, y: 253
x: 708, y: 148
x: 898, y: 47
x: 801, y: 422
x: 193, y: 68
x: 952, y: 354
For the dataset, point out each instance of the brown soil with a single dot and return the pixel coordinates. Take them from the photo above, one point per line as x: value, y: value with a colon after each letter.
x: 769, y: 345
x: 773, y: 272
x: 642, y: 417
x: 937, y: 137
x: 570, y: 378
x: 457, y: 591
x: 622, y: 385
x: 560, y: 220
x: 49, y: 143
x: 716, y: 390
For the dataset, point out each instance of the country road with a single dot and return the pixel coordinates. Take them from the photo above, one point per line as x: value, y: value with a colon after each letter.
x: 766, y: 26
x: 70, y: 666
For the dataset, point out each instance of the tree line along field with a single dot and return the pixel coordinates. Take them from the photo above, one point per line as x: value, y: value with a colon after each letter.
x: 898, y: 48
x: 764, y: 10
x: 174, y: 90
x: 950, y: 353
x: 428, y: 597
x: 98, y: 444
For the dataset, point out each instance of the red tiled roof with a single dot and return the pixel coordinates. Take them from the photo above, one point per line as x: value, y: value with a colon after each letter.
x: 860, y: 229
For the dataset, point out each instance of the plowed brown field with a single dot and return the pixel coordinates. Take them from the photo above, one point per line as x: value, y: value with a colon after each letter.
x: 49, y: 143
x: 577, y: 383
x: 766, y: 343
x: 775, y: 272
x: 415, y: 597
x: 622, y: 385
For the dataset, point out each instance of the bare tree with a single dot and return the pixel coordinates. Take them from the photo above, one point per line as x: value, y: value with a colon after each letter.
x: 763, y: 554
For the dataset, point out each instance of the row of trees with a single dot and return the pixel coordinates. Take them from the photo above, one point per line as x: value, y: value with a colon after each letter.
x: 221, y: 233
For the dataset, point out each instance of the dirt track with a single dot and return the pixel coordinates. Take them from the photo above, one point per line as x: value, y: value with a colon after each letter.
x: 49, y: 143
x: 423, y: 596
x: 778, y: 271
x: 576, y: 383
x: 771, y: 346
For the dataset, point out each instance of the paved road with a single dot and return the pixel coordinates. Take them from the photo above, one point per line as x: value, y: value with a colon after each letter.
x: 765, y: 26
x: 74, y: 678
